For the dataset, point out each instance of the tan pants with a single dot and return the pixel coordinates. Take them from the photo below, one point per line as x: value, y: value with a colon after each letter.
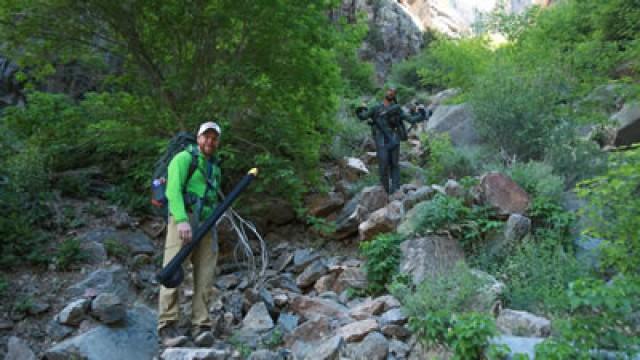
x: 203, y: 258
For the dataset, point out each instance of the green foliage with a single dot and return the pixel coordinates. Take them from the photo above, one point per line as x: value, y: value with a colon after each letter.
x: 456, y: 291
x: 479, y: 222
x: 470, y: 334
x: 613, y: 211
x: 272, y: 83
x: 537, y: 274
x: 441, y: 213
x: 501, y: 352
x: 537, y: 179
x: 22, y: 305
x: 4, y: 285
x: 455, y: 63
x: 466, y: 335
x: 514, y: 109
x: 69, y: 253
x: 23, y: 241
x: 382, y: 255
x: 116, y: 249
x: 275, y: 339
x: 444, y: 161
x: 600, y: 318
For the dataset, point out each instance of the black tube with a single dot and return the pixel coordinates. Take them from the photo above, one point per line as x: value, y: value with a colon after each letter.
x: 171, y: 275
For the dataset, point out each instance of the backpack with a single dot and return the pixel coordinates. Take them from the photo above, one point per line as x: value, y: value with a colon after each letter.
x: 178, y: 143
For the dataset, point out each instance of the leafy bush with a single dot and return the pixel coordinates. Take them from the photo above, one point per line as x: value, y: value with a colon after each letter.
x: 440, y: 311
x: 441, y: 213
x: 455, y: 63
x: 537, y: 274
x: 69, y: 253
x: 444, y: 161
x: 613, y: 211
x: 600, y: 318
x: 382, y: 256
x: 4, y: 285
x: 116, y: 249
x: 537, y: 179
x: 514, y: 109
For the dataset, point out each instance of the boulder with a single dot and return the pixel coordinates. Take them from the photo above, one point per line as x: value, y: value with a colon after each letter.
x: 312, y: 273
x: 108, y: 308
x: 367, y: 309
x: 628, y: 121
x: 356, y: 331
x: 308, y: 307
x: 18, y: 349
x: 518, y: 345
x: 73, y: 313
x: 114, y: 279
x: 429, y: 256
x: 381, y: 221
x: 522, y: 323
x: 353, y: 169
x: 442, y: 96
x: 258, y: 318
x: 393, y: 317
x: 323, y: 205
x: 312, y: 330
x: 194, y: 354
x: 374, y: 347
x: 358, y: 209
x: 326, y: 350
x: 137, y: 339
x: 499, y: 191
x: 518, y: 226
x: 350, y: 277
x: 457, y: 121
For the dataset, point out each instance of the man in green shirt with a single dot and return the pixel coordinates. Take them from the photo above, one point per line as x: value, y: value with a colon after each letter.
x: 388, y: 129
x: 191, y: 201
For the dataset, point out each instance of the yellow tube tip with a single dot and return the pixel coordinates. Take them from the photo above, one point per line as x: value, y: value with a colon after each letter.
x: 254, y: 172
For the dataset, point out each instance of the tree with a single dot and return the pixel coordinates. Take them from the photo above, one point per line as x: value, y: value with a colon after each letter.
x: 268, y: 70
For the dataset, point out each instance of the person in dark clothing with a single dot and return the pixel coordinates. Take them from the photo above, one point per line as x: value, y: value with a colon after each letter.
x: 388, y: 129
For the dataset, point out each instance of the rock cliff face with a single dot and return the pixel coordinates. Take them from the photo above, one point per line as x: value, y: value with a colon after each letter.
x: 397, y: 26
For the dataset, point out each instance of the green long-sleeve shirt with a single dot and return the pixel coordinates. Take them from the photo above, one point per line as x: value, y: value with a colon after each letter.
x: 178, y: 172
x: 389, y: 113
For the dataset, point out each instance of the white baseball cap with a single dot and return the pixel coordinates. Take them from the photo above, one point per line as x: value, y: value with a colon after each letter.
x: 208, y: 126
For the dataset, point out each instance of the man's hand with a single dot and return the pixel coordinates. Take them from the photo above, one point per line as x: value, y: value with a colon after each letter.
x: 184, y: 232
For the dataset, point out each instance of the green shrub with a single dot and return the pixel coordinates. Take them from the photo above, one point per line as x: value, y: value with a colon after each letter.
x: 444, y: 161
x: 382, y: 256
x: 116, y: 249
x: 514, y: 109
x: 23, y: 241
x: 441, y: 213
x: 4, y: 285
x: 457, y: 291
x: 69, y: 253
x: 537, y: 179
x: 537, y: 274
x: 613, y: 211
x: 600, y: 318
x: 455, y: 63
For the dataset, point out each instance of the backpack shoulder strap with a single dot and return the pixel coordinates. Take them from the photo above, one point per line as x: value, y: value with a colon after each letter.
x: 193, y: 165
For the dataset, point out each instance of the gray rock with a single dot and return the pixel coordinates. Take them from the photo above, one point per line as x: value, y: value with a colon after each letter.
x: 374, y: 347
x: 518, y: 345
x: 311, y: 274
x: 382, y: 220
x: 457, y: 121
x: 205, y: 339
x: 108, y: 308
x: 136, y: 242
x: 358, y: 209
x: 443, y: 96
x: 353, y: 168
x: 74, y: 313
x: 323, y: 205
x: 194, y: 354
x: 429, y: 256
x: 302, y: 258
x: 396, y: 331
x: 285, y: 281
x: 136, y: 339
x: 57, y: 331
x: 233, y: 303
x: 228, y: 281
x: 327, y: 350
x: 454, y: 189
x: 412, y: 198
x: 309, y: 307
x: 350, y: 277
x: 112, y: 280
x: 398, y: 349
x: 96, y: 253
x: 258, y: 318
x: 393, y: 317
x: 311, y: 331
x: 517, y: 228
x: 264, y: 354
x: 288, y: 322
x: 356, y: 331
x: 38, y: 308
x: 282, y: 261
x: 522, y: 323
x: 628, y: 120
x: 18, y: 349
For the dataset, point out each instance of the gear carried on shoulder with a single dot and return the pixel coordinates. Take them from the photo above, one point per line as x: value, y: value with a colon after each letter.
x: 181, y: 141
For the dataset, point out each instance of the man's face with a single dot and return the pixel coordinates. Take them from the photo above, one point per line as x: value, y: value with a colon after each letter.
x: 208, y: 142
x: 391, y: 95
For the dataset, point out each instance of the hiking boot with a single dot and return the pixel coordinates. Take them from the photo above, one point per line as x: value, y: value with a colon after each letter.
x: 199, y: 330
x: 169, y: 336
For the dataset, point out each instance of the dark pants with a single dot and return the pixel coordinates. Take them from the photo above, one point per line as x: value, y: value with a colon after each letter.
x: 388, y: 162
